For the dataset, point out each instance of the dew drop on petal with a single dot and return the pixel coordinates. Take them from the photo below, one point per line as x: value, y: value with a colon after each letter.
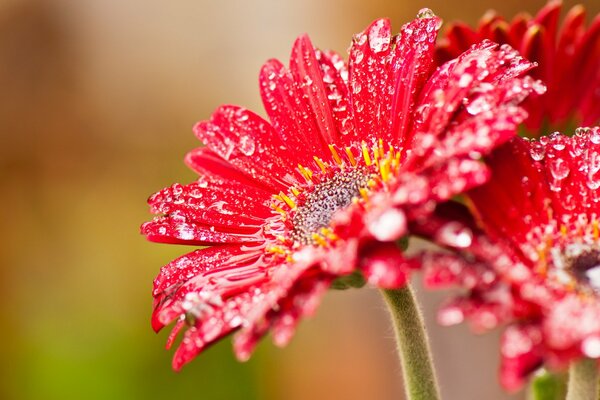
x: 390, y: 225
x: 537, y: 151
x: 456, y: 235
x: 425, y: 13
x: 594, y: 135
x: 559, y: 169
x: 247, y: 145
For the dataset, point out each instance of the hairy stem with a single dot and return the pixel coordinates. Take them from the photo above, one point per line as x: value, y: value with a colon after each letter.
x: 583, y: 380
x: 413, y: 347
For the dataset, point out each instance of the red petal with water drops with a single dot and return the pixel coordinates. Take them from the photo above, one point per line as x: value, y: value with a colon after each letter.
x: 232, y: 206
x: 335, y: 79
x: 412, y: 64
x: 384, y: 266
x: 521, y: 351
x: 369, y: 80
x: 249, y: 143
x: 307, y: 73
x: 289, y: 112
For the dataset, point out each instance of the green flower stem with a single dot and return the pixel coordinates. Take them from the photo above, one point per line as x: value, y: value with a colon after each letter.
x: 583, y: 380
x: 413, y: 348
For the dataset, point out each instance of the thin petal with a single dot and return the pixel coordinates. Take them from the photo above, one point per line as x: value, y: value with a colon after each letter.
x: 306, y: 72
x: 290, y: 113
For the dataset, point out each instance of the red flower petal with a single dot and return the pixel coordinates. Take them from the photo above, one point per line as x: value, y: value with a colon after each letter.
x: 289, y: 113
x: 521, y: 355
x: 384, y: 266
x: 248, y: 142
x: 306, y: 72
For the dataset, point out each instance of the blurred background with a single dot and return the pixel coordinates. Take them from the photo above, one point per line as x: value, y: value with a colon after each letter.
x: 97, y: 102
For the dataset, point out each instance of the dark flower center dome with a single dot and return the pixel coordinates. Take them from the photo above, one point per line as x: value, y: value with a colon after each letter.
x: 585, y: 267
x: 325, y: 199
x: 305, y: 212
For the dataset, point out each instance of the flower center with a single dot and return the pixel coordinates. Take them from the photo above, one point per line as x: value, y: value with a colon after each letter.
x: 306, y: 209
x: 585, y: 267
x: 325, y: 199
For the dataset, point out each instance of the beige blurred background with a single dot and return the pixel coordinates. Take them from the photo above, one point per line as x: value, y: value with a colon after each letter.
x: 97, y: 101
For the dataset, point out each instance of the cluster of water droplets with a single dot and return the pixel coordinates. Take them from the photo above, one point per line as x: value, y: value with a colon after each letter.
x: 571, y: 161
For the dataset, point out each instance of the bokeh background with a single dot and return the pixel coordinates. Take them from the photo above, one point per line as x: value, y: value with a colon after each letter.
x: 97, y: 98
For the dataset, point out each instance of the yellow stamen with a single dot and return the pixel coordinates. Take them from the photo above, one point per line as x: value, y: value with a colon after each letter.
x: 328, y: 233
x: 320, y: 164
x: 281, y: 238
x: 319, y: 239
x: 542, y: 261
x: 381, y: 147
x: 276, y: 249
x: 563, y: 231
x: 306, y: 173
x: 365, y: 153
x: 376, y: 154
x: 278, y: 209
x: 295, y: 191
x: 364, y: 193
x: 350, y: 156
x: 384, y: 169
x: 287, y: 200
x: 335, y: 155
x: 595, y: 229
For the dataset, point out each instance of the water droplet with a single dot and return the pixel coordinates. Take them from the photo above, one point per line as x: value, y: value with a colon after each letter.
x: 389, y: 225
x: 559, y: 169
x: 247, y: 145
x: 478, y: 105
x: 537, y: 151
x: 425, y: 13
x: 456, y: 235
x: 594, y: 135
x: 358, y: 56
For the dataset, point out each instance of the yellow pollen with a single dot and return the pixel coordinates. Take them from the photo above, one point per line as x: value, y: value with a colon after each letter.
x: 319, y: 239
x: 397, y: 159
x: 335, y: 155
x: 287, y: 200
x: 549, y: 242
x: 542, y: 267
x: 595, y: 229
x: 276, y: 250
x: 320, y: 164
x: 350, y: 156
x: 278, y: 209
x: 295, y: 191
x: 563, y: 231
x: 365, y: 153
x: 364, y: 193
x: 306, y: 173
x: 376, y: 155
x: 381, y: 147
x: 384, y: 169
x: 328, y: 233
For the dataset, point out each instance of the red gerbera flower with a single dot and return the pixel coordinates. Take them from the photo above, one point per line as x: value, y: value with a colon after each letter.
x: 568, y: 58
x: 537, y: 266
x: 351, y: 153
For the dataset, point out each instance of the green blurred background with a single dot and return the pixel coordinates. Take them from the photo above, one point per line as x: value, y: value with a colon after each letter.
x: 97, y: 100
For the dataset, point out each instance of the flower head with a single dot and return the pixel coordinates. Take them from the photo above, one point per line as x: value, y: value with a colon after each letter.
x: 537, y: 265
x: 568, y: 56
x: 350, y: 155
